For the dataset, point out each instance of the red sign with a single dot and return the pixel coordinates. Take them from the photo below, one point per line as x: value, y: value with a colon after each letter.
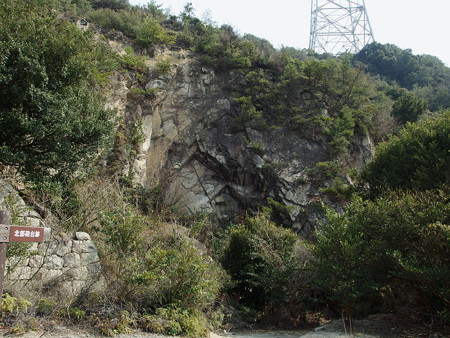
x: 26, y: 234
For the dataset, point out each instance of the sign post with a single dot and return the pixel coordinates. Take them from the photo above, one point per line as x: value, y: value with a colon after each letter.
x: 4, y: 219
x: 15, y: 233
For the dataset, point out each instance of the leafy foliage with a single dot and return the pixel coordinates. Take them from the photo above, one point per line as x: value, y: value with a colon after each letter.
x: 402, y: 66
x: 132, y: 61
x: 14, y: 305
x: 316, y: 97
x: 163, y: 66
x: 155, y: 270
x: 408, y: 108
x: 396, y: 245
x: 150, y: 32
x: 150, y: 267
x: 177, y: 321
x: 425, y: 74
x: 125, y: 21
x: 417, y: 158
x: 260, y: 258
x: 52, y: 121
x: 111, y: 4
x: 399, y: 241
x: 173, y: 272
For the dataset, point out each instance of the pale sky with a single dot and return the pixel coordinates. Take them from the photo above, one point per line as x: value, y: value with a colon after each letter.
x: 420, y: 25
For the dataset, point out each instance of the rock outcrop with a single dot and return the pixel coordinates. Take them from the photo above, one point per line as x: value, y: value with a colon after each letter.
x: 210, y: 162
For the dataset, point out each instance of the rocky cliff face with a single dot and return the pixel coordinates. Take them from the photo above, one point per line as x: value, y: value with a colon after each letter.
x: 194, y: 143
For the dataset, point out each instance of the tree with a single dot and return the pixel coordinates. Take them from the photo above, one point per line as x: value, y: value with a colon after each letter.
x: 414, y: 72
x: 408, y: 108
x: 418, y: 158
x: 399, y: 242
x: 52, y: 121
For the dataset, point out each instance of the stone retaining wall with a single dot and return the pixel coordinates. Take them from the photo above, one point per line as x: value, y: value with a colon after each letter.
x: 62, y: 267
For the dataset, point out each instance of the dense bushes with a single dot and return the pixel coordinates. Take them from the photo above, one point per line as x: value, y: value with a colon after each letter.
x: 157, y: 269
x: 402, y: 66
x: 417, y: 158
x: 261, y: 260
x: 151, y: 268
x: 172, y: 272
x: 136, y: 24
x: 125, y: 21
x: 396, y: 247
x: 393, y: 249
x: 111, y: 4
x: 408, y: 108
x: 150, y: 32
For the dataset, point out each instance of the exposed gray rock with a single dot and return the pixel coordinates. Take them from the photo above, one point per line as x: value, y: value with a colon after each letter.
x: 217, y: 164
x: 64, y: 249
x: 155, y: 84
x: 89, y: 258
x: 71, y: 260
x: 20, y: 273
x: 82, y: 236
x: 36, y: 261
x: 84, y: 247
x: 53, y: 262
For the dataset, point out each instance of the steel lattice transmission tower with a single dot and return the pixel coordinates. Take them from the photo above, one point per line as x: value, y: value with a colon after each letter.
x: 339, y: 26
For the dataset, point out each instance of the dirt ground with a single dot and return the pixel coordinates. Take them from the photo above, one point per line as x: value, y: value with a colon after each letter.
x: 375, y: 326
x: 402, y: 325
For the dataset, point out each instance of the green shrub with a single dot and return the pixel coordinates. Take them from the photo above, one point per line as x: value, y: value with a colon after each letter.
x: 76, y: 313
x: 328, y: 169
x: 339, y: 191
x: 151, y: 270
x: 106, y: 62
x: 249, y: 114
x: 150, y: 32
x: 125, y: 21
x: 112, y: 4
x: 418, y: 158
x: 60, y: 122
x: 260, y: 258
x: 136, y: 93
x: 14, y: 305
x: 132, y: 61
x: 340, y: 131
x: 256, y: 146
x: 152, y: 93
x: 121, y: 229
x: 408, y: 108
x: 45, y: 307
x: 163, y: 66
x: 177, y: 321
x: 171, y: 271
x: 399, y: 242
